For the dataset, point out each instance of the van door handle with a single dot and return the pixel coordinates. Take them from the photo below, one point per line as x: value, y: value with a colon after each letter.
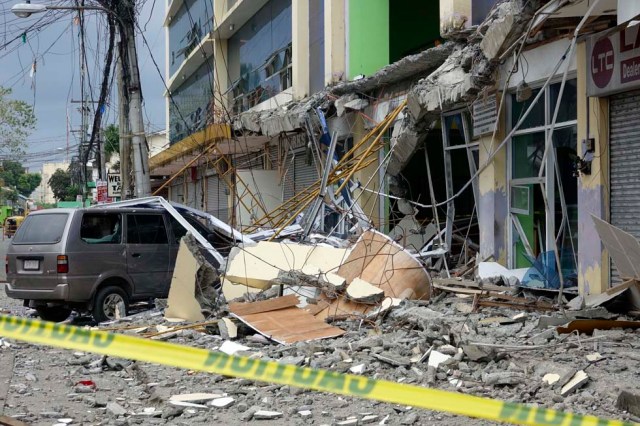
x: 136, y: 255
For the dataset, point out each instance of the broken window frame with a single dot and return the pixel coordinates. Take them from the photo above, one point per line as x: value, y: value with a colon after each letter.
x: 470, y: 146
x: 549, y: 177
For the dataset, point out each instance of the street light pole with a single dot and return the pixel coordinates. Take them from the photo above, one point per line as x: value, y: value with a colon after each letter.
x: 142, y: 181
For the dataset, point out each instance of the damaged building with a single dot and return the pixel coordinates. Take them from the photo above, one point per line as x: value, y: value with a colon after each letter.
x: 466, y: 131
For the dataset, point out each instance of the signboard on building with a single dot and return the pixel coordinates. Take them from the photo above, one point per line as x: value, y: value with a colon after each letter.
x: 485, y: 116
x: 613, y: 62
x: 114, y: 185
x: 102, y: 191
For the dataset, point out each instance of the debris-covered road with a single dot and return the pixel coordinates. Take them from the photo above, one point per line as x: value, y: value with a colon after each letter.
x: 46, y: 385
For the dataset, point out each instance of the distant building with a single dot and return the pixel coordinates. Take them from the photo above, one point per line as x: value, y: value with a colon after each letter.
x: 43, y: 193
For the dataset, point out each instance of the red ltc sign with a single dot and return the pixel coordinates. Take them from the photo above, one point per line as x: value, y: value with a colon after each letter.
x: 614, y: 64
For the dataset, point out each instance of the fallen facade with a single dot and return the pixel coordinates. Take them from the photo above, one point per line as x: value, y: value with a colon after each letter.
x: 520, y: 192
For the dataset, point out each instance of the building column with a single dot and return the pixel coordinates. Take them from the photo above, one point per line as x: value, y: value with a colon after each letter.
x: 335, y: 38
x: 300, y: 46
x: 221, y: 100
x: 493, y: 208
x: 593, y: 198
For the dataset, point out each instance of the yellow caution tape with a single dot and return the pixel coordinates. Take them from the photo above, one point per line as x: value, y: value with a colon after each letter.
x: 152, y: 351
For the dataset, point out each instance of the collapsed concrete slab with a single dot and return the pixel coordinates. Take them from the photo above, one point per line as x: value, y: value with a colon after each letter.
x: 260, y: 266
x: 192, y: 292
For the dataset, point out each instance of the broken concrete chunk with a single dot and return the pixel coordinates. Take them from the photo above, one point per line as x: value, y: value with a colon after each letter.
x: 334, y: 281
x: 363, y: 292
x: 231, y: 348
x: 116, y: 409
x: 551, y: 378
x: 222, y: 402
x: 576, y: 382
x: 227, y: 328
x: 436, y: 358
x: 503, y: 378
x: 478, y: 353
x: 629, y: 402
x: 266, y: 415
x: 357, y: 369
x: 393, y: 360
x: 594, y: 357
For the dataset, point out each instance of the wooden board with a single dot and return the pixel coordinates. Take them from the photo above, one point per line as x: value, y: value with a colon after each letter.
x: 283, y: 322
x: 264, y: 305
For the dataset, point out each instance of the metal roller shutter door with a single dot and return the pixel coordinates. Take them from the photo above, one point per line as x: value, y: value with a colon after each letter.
x: 306, y: 174
x: 624, y: 145
x: 299, y: 175
x: 177, y: 190
x: 217, y: 198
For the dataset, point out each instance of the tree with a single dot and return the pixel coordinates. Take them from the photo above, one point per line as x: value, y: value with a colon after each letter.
x: 17, y: 120
x: 60, y: 183
x: 111, y: 141
x: 13, y: 175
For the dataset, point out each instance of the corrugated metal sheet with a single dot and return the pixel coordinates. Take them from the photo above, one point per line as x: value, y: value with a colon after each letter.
x: 625, y: 165
x: 217, y: 198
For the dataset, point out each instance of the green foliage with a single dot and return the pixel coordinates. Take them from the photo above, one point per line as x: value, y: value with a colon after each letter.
x: 14, y: 176
x: 17, y: 120
x: 8, y: 195
x: 63, y: 190
x: 27, y: 183
x: 111, y: 140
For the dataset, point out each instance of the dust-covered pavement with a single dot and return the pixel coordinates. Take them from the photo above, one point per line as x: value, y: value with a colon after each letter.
x: 42, y: 385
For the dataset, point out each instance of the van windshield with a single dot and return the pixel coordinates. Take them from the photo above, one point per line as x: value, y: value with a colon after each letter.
x: 41, y: 229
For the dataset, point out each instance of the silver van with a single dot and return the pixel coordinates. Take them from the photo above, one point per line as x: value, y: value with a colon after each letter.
x: 98, y: 260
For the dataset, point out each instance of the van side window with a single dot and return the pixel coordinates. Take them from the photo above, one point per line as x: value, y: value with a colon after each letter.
x: 179, y: 231
x: 146, y: 229
x: 101, y: 228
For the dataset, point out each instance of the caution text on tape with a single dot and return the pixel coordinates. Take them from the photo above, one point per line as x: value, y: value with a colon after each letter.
x: 157, y: 352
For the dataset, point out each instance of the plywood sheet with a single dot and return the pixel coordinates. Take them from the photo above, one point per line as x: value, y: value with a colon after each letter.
x: 623, y: 248
x: 383, y: 263
x: 280, y: 320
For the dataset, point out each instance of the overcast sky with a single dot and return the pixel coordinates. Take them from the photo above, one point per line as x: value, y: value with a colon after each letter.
x: 56, y: 81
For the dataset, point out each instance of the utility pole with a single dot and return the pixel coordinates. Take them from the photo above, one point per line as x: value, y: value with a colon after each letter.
x: 125, y: 138
x: 83, y: 111
x: 139, y: 149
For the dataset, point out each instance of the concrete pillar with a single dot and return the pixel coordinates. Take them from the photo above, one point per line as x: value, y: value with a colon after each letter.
x: 493, y: 209
x: 593, y: 197
x: 221, y: 81
x: 300, y: 46
x: 335, y: 41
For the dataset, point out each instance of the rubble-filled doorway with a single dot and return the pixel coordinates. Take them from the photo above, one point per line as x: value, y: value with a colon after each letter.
x: 453, y: 161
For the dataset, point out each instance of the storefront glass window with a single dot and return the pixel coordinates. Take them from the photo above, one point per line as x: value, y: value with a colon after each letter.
x: 191, y: 23
x: 260, y: 56
x: 190, y: 109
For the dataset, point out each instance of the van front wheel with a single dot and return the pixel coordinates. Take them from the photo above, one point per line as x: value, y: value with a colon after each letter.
x: 110, y: 303
x: 53, y: 313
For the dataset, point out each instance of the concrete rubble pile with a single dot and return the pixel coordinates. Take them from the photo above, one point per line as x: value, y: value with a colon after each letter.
x: 371, y: 309
x: 443, y: 342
